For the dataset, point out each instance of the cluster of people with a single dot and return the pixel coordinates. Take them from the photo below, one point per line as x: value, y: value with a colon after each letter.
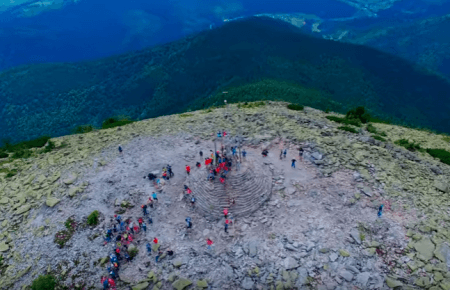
x: 167, y: 172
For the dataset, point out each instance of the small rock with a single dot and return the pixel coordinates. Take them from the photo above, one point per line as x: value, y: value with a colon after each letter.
x: 247, y: 283
x: 317, y: 156
x: 367, y: 191
x: 363, y: 278
x: 355, y: 236
x: 290, y: 263
x: 346, y: 275
x: 344, y: 253
x: 392, y: 283
x: 202, y: 284
x: 140, y: 286
x: 181, y: 283
x: 52, y: 201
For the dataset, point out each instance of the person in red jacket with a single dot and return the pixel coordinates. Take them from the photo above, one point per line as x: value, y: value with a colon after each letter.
x: 155, y: 240
x: 209, y: 242
x: 140, y: 221
x: 188, y: 169
x: 111, y: 282
x: 225, y: 212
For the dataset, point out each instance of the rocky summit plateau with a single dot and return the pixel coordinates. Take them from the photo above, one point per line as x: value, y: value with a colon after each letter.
x: 314, y: 226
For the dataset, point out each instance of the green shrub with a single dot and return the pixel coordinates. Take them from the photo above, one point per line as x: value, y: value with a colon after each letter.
x: 186, y: 115
x: 349, y: 129
x: 70, y: 225
x: 83, y: 129
x: 47, y: 282
x: 133, y: 252
x: 409, y: 146
x: 379, y: 138
x: 295, y: 107
x: 441, y: 154
x: 92, y: 219
x: 359, y: 113
x: 345, y: 121
x: 371, y: 129
x: 115, y: 122
x: 4, y: 155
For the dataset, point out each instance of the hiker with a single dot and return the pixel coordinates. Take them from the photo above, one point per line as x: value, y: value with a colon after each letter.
x: 265, y: 153
x: 105, y: 283
x: 188, y: 169
x: 281, y: 154
x: 209, y: 242
x: 300, y: 153
x: 149, y: 248
x: 150, y: 220
x: 122, y: 226
x: 164, y: 176
x: 192, y: 201
x: 118, y: 218
x: 154, y: 196
x: 120, y: 149
x: 127, y: 257
x: 113, y: 274
x: 189, y: 191
x: 114, y: 228
x: 169, y: 252
x: 225, y: 212
x: 284, y: 153
x: 155, y: 240
x: 198, y: 164
x: 188, y: 222
x: 219, y: 134
x: 130, y: 227
x: 144, y: 226
x: 151, y: 176
x: 226, y: 225
x: 293, y: 163
x: 118, y: 238
x: 380, y: 211
x: 118, y: 253
x: 157, y: 256
x: 169, y: 170
x: 150, y: 202
x: 136, y: 230
x: 112, y: 283
x: 140, y: 221
x: 144, y: 209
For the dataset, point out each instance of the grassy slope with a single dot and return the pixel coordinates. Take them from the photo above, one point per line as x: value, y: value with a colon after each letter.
x: 191, y: 73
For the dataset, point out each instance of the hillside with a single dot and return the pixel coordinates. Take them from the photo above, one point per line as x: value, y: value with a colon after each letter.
x: 306, y: 227
x: 55, y: 98
x: 425, y: 42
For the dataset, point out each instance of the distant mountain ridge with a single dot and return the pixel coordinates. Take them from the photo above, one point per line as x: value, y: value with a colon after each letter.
x: 190, y: 73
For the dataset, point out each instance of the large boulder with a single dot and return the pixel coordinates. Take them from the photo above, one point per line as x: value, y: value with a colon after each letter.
x: 23, y: 209
x: 425, y: 247
x: 442, y: 252
x: 181, y: 284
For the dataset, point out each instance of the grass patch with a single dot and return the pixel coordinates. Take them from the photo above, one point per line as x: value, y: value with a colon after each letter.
x: 345, y: 121
x: 295, y: 107
x: 186, y: 115
x: 379, y: 138
x: 446, y: 138
x: 47, y: 282
x: 371, y: 129
x: 115, y: 122
x: 11, y: 173
x: 83, y: 129
x: 348, y: 129
x: 92, y: 219
x: 441, y: 154
x: 62, y: 237
x: 25, y: 153
x: 411, y: 146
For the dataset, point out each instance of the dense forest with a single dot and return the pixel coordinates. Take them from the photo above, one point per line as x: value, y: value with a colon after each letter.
x: 255, y: 59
